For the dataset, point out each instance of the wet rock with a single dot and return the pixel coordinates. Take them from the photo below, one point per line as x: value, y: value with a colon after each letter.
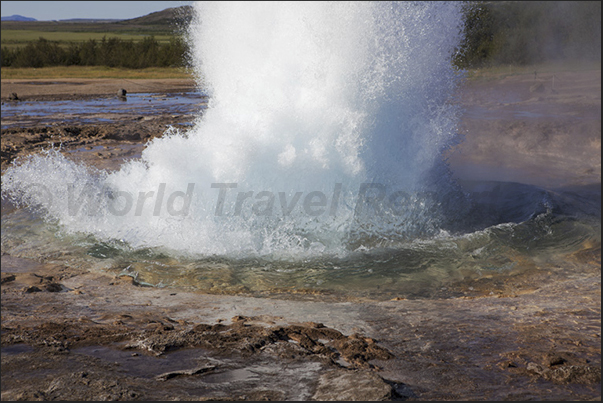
x: 554, y: 359
x: 87, y: 386
x: 564, y: 374
x: 358, y: 350
x: 538, y: 87
x: 585, y: 374
x: 507, y: 364
x: 121, y: 93
x: 344, y: 385
x: 7, y: 277
x: 186, y: 372
x: 159, y: 326
x: 54, y: 287
x: 124, y: 279
x: 12, y: 395
x: 535, y: 368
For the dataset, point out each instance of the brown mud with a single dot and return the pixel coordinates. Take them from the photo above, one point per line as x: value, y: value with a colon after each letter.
x: 71, y: 333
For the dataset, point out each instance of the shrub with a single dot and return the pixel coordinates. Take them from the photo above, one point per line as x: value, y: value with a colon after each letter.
x: 111, y: 52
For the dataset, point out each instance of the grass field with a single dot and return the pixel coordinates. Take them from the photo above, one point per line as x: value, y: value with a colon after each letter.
x: 177, y: 72
x: 93, y: 72
x: 67, y: 43
x: 20, y: 37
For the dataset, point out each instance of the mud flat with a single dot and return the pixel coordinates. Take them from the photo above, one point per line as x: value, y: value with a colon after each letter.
x: 75, y: 88
x: 70, y: 332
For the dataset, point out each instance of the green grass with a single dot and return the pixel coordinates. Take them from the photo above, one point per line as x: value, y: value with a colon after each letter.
x: 93, y: 72
x: 84, y: 27
x: 18, y: 33
x: 20, y: 37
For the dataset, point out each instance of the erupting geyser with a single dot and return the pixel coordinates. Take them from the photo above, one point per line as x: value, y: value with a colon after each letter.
x: 324, y: 133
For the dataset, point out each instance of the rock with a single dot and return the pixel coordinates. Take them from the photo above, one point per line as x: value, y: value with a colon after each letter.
x: 553, y: 359
x: 564, y: 374
x: 535, y: 368
x: 507, y: 364
x: 584, y: 374
x: 538, y: 87
x: 7, y: 277
x: 172, y: 374
x: 54, y: 287
x: 347, y: 385
x: 121, y: 93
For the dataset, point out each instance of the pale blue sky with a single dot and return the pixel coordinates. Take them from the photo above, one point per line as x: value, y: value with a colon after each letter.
x: 62, y: 10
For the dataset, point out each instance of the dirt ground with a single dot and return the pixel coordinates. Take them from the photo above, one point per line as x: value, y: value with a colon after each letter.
x: 110, y: 141
x: 70, y: 333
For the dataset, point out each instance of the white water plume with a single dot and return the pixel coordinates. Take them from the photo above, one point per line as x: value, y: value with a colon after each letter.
x: 311, y: 104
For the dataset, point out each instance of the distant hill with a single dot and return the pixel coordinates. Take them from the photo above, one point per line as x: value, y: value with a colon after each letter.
x: 165, y: 17
x: 17, y: 18
x: 166, y: 22
x: 89, y: 20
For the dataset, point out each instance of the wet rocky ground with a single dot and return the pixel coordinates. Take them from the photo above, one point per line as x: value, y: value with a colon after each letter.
x: 73, y: 333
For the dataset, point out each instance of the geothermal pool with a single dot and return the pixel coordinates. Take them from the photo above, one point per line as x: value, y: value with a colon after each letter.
x: 317, y: 168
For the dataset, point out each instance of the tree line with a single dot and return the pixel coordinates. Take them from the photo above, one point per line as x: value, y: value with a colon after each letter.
x: 529, y: 32
x: 110, y: 52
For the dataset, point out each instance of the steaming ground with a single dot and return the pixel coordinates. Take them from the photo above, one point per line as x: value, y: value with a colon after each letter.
x: 543, y: 131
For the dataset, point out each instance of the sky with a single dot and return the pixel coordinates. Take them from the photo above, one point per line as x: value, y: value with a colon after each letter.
x: 62, y: 10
